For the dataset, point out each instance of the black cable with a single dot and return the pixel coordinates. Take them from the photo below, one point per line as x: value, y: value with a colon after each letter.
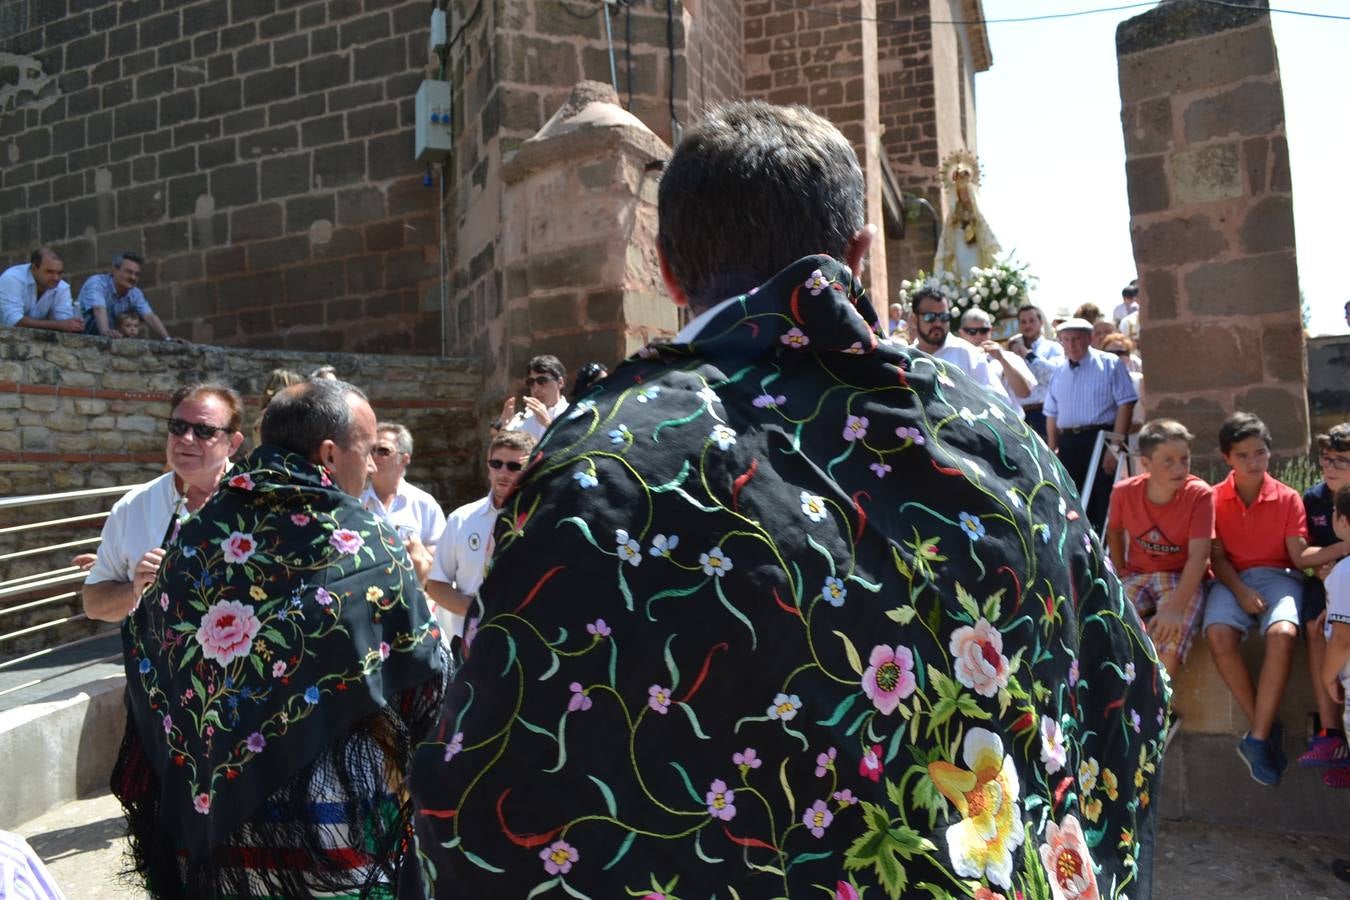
x: 459, y: 32
x: 675, y: 127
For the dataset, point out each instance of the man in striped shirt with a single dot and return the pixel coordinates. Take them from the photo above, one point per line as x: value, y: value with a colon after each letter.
x: 1091, y: 394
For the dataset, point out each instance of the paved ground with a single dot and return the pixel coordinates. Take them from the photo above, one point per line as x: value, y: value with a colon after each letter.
x: 81, y: 843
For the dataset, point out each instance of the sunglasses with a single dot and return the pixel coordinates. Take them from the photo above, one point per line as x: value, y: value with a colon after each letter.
x: 511, y: 466
x: 383, y: 451
x: 532, y: 380
x: 201, y: 430
x: 1339, y: 463
x: 936, y: 317
x: 976, y: 330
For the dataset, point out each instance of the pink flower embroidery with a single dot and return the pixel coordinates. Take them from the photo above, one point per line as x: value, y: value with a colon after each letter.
x: 816, y: 283
x: 1067, y: 862
x: 598, y: 628
x: 256, y: 742
x: 910, y: 434
x: 168, y: 724
x: 227, y: 630
x: 889, y: 677
x: 202, y: 803
x: 242, y: 481
x: 558, y: 857
x: 980, y: 663
x: 844, y: 797
x: 470, y: 631
x: 456, y: 744
x: 983, y: 892
x: 795, y: 338
x: 825, y: 762
x: 870, y: 764
x: 579, y: 702
x: 346, y: 541
x: 238, y: 547
x: 658, y: 698
x: 278, y: 669
x: 880, y: 468
x: 845, y: 891
x: 817, y: 818
x: 299, y: 519
x: 322, y: 597
x: 855, y: 428
x: 164, y: 602
x: 747, y: 758
x: 384, y: 649
x: 721, y: 801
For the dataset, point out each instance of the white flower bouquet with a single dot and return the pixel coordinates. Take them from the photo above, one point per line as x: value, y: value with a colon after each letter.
x: 998, y: 290
x: 944, y: 283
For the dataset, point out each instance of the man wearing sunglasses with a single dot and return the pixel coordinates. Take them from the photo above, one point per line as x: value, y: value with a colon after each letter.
x: 931, y: 321
x: 408, y: 509
x: 466, y: 543
x: 1018, y: 382
x: 202, y: 434
x: 544, y: 400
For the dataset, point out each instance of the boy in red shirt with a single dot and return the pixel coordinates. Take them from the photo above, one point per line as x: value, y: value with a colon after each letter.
x: 1261, y: 537
x: 1159, y: 534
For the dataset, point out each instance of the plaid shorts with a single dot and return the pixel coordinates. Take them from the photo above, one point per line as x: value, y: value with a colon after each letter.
x: 1146, y: 589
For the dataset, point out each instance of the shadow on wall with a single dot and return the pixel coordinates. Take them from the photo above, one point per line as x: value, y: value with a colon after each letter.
x: 1328, y: 381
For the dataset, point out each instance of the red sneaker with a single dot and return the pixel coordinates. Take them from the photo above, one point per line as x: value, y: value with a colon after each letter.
x: 1337, y: 777
x: 1325, y: 750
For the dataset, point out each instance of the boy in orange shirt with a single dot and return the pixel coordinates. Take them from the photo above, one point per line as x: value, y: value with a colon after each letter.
x: 1159, y: 534
x: 1261, y: 538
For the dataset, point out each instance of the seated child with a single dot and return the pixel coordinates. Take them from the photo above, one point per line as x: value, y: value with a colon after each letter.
x: 129, y: 325
x: 1159, y: 534
x: 1327, y: 745
x: 1336, y: 667
x: 1260, y: 537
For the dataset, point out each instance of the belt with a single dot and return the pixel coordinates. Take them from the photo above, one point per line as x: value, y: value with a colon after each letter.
x: 1085, y: 429
x: 1033, y: 407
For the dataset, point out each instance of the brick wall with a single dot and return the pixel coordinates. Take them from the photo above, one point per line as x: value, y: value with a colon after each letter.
x: 713, y: 53
x: 258, y: 151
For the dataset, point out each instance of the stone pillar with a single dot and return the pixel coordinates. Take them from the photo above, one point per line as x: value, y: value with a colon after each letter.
x: 579, y: 240
x: 1211, y: 219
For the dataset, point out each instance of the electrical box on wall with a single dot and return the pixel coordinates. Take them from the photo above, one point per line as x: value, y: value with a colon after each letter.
x: 434, y: 140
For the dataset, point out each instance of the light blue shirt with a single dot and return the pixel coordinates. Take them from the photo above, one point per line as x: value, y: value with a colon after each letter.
x: 1089, y: 393
x: 19, y: 298
x: 99, y: 290
x: 1044, y: 359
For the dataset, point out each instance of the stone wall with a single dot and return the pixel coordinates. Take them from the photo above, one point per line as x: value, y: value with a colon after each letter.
x: 259, y: 152
x: 1212, y: 217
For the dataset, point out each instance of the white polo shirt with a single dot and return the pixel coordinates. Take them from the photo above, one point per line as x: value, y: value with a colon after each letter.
x: 526, y: 422
x: 412, y: 509
x: 136, y: 524
x: 973, y: 361
x: 461, y: 556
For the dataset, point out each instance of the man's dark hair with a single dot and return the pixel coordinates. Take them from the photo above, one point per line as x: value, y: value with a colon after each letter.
x: 1032, y: 307
x: 227, y: 395
x: 548, y: 364
x: 303, y: 416
x: 1240, y: 426
x: 923, y: 294
x: 1157, y: 432
x: 519, y: 441
x: 750, y: 189
x: 36, y: 258
x: 127, y: 255
x: 1130, y: 291
x: 1336, y: 439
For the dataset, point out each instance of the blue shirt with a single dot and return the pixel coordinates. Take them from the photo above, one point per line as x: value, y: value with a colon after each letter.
x: 99, y: 290
x: 1089, y: 393
x: 19, y: 297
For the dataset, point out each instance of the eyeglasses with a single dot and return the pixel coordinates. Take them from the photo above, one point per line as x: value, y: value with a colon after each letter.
x: 976, y: 330
x: 1339, y: 463
x: 201, y: 430
x: 382, y: 451
x: 931, y: 317
x: 532, y: 380
x: 511, y: 466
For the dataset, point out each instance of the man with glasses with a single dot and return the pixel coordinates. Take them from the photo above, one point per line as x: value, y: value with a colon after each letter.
x: 106, y: 297
x: 203, y: 433
x: 931, y: 321
x: 544, y: 400
x: 466, y: 543
x: 1017, y: 380
x: 408, y: 509
x: 1327, y: 746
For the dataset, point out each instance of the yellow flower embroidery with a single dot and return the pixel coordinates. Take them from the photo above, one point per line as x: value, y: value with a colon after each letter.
x: 986, y: 795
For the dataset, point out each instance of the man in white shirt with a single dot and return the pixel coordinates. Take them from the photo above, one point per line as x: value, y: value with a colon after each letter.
x: 1129, y: 302
x: 1043, y: 357
x: 466, y: 544
x: 544, y: 400
x: 33, y: 295
x: 203, y: 433
x: 408, y: 509
x: 931, y: 324
x: 977, y: 327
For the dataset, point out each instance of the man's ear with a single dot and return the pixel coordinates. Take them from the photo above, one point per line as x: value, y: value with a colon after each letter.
x: 328, y: 455
x: 857, y: 249
x: 236, y: 440
x: 672, y: 286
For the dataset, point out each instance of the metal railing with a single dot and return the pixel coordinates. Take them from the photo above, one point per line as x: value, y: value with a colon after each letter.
x: 60, y: 579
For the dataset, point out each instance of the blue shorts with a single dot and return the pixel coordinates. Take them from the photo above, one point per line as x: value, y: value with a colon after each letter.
x: 1282, y: 589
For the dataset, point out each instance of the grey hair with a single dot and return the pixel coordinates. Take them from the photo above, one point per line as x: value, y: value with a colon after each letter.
x: 751, y: 189
x: 403, y: 441
x: 977, y: 315
x: 125, y: 255
x: 303, y: 416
